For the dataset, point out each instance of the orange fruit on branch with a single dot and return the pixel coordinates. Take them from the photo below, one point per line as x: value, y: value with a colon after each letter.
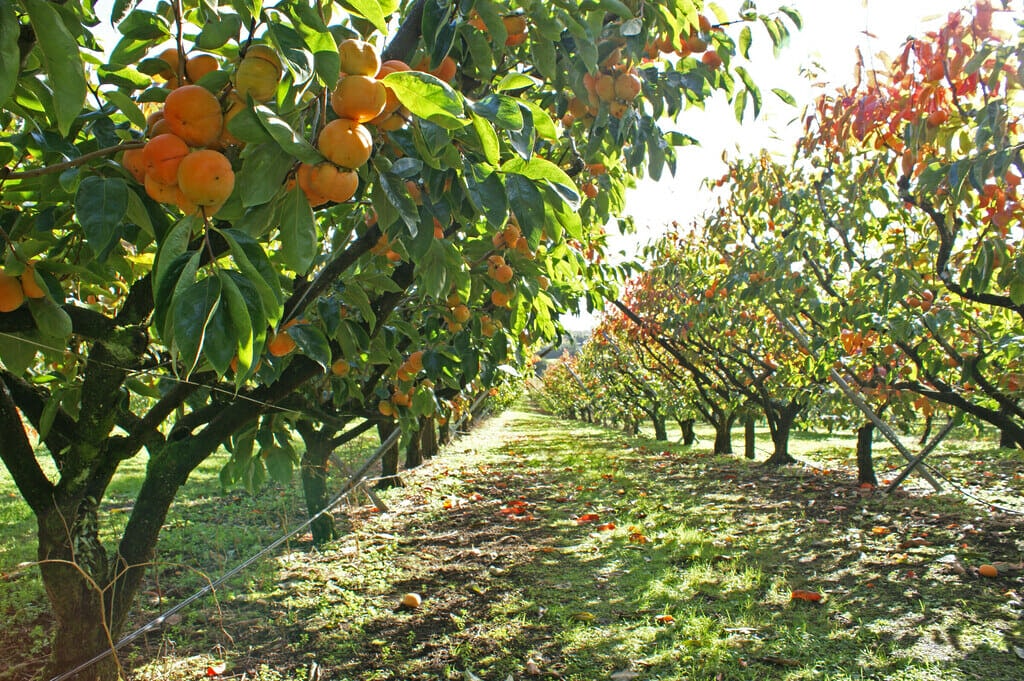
x: 194, y: 115
x: 333, y: 183
x: 258, y: 73
x: 358, y: 58
x: 345, y: 142
x: 206, y: 177
x: 359, y: 98
x: 161, y: 157
x: 199, y: 65
x: 11, y: 293
x: 29, y: 285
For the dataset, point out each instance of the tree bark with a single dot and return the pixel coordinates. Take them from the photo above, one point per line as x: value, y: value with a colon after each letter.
x: 660, y: 432
x: 780, y: 422
x: 865, y: 463
x: 749, y: 437
x: 723, y: 433
x: 389, y: 462
x: 313, y: 469
x: 428, y: 437
x: 686, y: 427
x: 414, y: 450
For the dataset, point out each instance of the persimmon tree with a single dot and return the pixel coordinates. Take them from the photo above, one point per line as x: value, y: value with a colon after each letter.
x: 235, y: 209
x: 937, y: 131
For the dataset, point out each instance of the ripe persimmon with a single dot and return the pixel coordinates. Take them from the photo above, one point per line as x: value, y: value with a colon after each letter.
x: 303, y: 176
x: 446, y: 70
x: 206, y: 177
x: 461, y: 314
x: 358, y: 58
x: 29, y: 285
x: 162, y: 191
x: 503, y: 274
x: 627, y: 85
x: 515, y: 28
x: 345, y: 143
x: 11, y: 294
x: 341, y: 367
x: 280, y: 344
x: 199, y: 65
x: 194, y: 115
x: 500, y: 298
x: 712, y: 60
x: 359, y: 98
x: 162, y: 155
x: 133, y: 160
x: 415, y: 361
x: 334, y: 183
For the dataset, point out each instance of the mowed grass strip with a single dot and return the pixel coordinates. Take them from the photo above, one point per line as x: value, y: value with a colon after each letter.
x: 554, y: 549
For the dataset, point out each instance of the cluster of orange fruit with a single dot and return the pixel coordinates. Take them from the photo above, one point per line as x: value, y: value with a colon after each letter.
x: 14, y: 290
x: 182, y: 163
x: 360, y: 97
x: 406, y: 373
x: 457, y: 313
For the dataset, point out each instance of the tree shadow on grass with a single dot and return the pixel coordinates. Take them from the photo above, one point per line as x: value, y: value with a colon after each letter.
x: 693, y: 581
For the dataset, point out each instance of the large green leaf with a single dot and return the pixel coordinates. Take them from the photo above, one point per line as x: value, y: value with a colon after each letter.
x: 312, y: 343
x: 100, y: 206
x: 10, y: 58
x: 286, y: 137
x: 264, y: 169
x: 50, y: 318
x: 241, y: 323
x: 543, y: 170
x: 371, y: 10
x: 62, y: 60
x: 254, y: 264
x: 428, y: 97
x: 191, y: 312
x: 298, y: 232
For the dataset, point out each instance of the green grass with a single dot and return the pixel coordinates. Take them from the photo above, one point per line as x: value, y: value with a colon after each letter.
x: 716, y: 543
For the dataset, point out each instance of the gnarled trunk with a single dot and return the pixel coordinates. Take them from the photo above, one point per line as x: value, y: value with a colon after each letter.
x: 723, y: 432
x: 781, y: 417
x: 389, y: 461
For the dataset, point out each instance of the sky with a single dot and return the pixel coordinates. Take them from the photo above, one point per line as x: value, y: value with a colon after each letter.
x: 832, y: 30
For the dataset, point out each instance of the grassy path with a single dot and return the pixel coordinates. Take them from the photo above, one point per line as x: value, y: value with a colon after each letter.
x: 545, y: 549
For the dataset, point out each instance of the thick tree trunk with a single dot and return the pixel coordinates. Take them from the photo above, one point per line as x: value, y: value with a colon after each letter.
x: 780, y: 422
x: 723, y: 433
x: 414, y: 450
x: 660, y: 432
x: 314, y: 482
x: 389, y: 462
x: 865, y: 463
x: 686, y: 428
x: 83, y: 616
x: 749, y: 437
x: 428, y: 438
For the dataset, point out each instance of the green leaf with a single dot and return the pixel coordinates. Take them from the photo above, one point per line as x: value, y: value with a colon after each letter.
x: 241, y: 324
x: 50, y: 318
x: 372, y: 11
x: 516, y: 81
x: 544, y: 170
x: 312, y: 342
x: 542, y: 122
x: 755, y: 92
x: 501, y: 110
x: 10, y: 58
x: 218, y: 30
x: 100, y: 206
x: 432, y: 271
x: 279, y: 464
x: 487, y: 194
x: 290, y: 141
x: 746, y: 39
x: 784, y: 96
x: 62, y: 60
x: 16, y: 354
x: 428, y: 97
x: 298, y: 232
x: 488, y: 139
x: 264, y: 168
x: 127, y: 106
x: 178, y: 270
x: 191, y: 313
x: 528, y: 204
x: 545, y: 57
x: 794, y: 16
x: 219, y: 339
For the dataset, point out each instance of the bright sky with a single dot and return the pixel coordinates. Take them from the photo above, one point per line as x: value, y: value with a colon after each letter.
x: 832, y: 29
